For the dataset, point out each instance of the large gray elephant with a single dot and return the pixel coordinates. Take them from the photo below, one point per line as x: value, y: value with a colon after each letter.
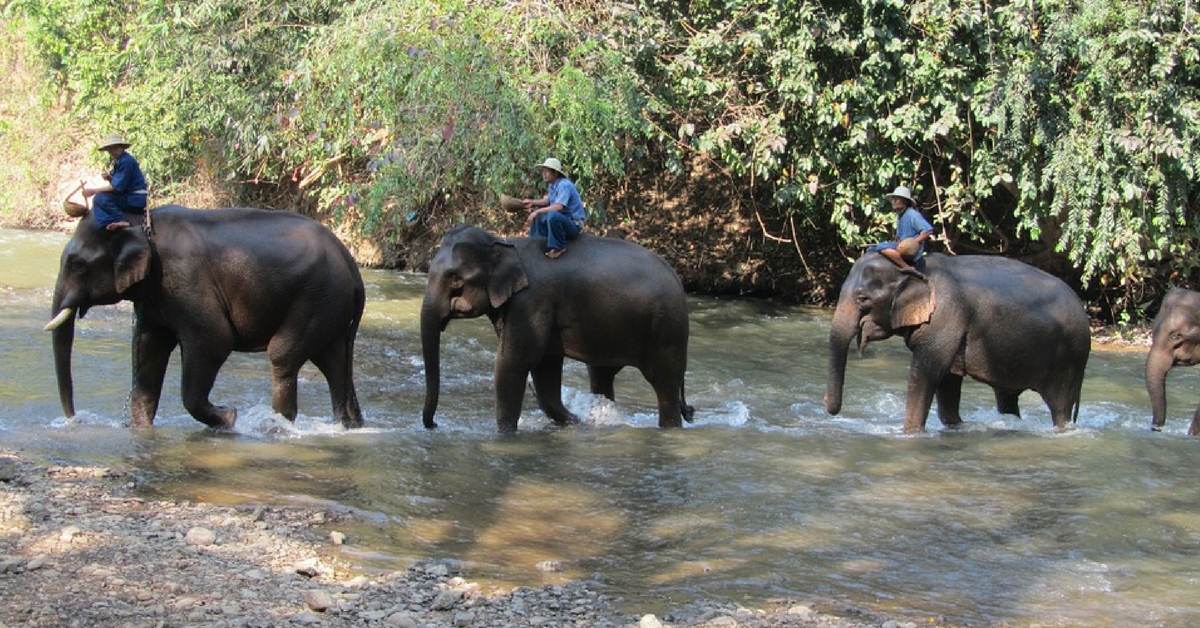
x: 1000, y: 321
x: 607, y: 303
x: 213, y: 282
x: 1175, y: 342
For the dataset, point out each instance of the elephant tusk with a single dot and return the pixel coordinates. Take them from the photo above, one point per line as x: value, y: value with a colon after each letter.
x: 63, y: 316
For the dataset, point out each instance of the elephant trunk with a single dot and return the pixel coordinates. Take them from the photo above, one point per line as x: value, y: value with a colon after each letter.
x: 842, y: 332
x: 1158, y: 363
x: 63, y: 329
x: 432, y: 323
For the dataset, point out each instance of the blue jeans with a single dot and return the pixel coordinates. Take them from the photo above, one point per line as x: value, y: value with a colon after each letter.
x: 110, y: 208
x: 556, y: 227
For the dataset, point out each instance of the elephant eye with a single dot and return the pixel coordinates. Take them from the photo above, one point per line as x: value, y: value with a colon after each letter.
x: 863, y: 301
x: 76, y: 265
x: 454, y: 281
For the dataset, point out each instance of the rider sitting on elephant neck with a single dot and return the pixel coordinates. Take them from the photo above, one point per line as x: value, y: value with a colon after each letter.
x: 912, y: 230
x: 559, y: 215
x: 124, y: 189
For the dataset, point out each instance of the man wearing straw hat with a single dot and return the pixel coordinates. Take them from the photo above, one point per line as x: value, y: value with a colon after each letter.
x: 911, y: 232
x: 124, y: 189
x: 559, y: 215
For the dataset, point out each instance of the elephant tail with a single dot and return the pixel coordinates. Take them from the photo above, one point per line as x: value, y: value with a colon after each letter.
x: 688, y: 412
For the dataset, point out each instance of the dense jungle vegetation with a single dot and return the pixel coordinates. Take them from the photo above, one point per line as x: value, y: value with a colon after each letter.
x: 749, y: 142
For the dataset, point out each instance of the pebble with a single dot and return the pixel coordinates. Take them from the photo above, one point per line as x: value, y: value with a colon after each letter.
x: 8, y: 469
x: 337, y: 538
x: 649, y: 621
x: 319, y: 600
x: 200, y: 537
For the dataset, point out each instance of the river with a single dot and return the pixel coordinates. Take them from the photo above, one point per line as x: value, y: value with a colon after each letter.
x: 764, y: 496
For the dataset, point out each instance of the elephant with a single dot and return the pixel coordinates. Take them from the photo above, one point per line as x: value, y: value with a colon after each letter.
x: 211, y: 282
x: 1175, y: 341
x: 1000, y: 321
x: 608, y: 303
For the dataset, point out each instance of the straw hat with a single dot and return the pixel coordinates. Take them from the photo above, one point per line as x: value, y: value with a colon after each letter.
x: 113, y: 139
x: 902, y: 192
x: 554, y: 165
x: 510, y: 203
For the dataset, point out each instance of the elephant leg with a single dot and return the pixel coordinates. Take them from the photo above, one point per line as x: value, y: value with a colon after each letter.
x: 151, y: 353
x: 509, y: 381
x: 601, y: 378
x: 949, y: 395
x: 547, y: 385
x: 200, y: 368
x: 1194, y: 430
x: 921, y: 387
x: 666, y: 377
x: 1007, y: 401
x: 337, y: 365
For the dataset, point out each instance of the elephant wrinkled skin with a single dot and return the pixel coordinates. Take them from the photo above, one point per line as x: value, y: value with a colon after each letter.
x: 212, y: 282
x: 1000, y: 321
x: 607, y: 303
x: 1175, y: 342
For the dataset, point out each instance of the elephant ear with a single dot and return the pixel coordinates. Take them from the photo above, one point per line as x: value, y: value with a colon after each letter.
x: 508, y: 274
x: 914, y: 303
x: 131, y: 258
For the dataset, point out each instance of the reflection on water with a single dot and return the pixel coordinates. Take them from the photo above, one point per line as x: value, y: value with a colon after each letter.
x: 765, y: 496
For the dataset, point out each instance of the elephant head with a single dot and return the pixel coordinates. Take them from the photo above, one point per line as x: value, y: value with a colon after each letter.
x: 1175, y: 342
x: 472, y: 274
x: 877, y: 301
x: 98, y: 267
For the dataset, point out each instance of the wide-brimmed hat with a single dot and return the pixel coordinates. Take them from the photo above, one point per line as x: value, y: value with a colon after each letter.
x: 113, y: 139
x: 554, y: 165
x: 902, y: 192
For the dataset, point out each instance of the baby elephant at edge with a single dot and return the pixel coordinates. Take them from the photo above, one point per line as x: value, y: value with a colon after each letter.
x: 1176, y: 342
x: 1000, y: 321
x: 608, y: 303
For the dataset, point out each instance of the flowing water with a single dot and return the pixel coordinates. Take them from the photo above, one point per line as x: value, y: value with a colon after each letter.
x: 765, y: 496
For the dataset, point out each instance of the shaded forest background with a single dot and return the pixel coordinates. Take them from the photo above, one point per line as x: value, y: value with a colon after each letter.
x: 748, y: 142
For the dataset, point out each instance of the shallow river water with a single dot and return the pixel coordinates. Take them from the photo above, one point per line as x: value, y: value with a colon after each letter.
x: 764, y: 496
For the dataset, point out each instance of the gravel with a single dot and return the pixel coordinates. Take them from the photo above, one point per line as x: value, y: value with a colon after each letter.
x: 78, y: 548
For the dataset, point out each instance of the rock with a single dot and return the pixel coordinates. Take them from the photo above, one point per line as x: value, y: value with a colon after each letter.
x: 307, y: 568
x: 464, y: 619
x: 721, y: 622
x: 306, y: 618
x: 319, y: 600
x: 400, y: 620
x: 649, y: 621
x: 801, y: 611
x: 200, y: 537
x: 446, y: 600
x: 337, y: 538
x: 549, y: 566
x: 8, y: 469
x: 68, y: 534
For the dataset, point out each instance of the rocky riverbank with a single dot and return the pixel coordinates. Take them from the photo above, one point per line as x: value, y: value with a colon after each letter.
x: 78, y: 548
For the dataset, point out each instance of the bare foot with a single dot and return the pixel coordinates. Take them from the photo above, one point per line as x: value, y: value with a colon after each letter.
x: 913, y: 272
x: 555, y: 253
x: 118, y: 225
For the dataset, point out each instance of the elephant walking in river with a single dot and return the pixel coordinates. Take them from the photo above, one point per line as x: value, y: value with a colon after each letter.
x: 607, y: 303
x: 1000, y: 321
x: 212, y: 282
x: 1175, y: 342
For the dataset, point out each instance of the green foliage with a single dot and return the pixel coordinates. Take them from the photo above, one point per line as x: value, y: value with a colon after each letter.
x: 1060, y: 131
x: 1041, y: 126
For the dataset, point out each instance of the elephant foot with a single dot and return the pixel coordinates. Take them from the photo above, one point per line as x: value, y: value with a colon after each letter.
x: 219, y: 418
